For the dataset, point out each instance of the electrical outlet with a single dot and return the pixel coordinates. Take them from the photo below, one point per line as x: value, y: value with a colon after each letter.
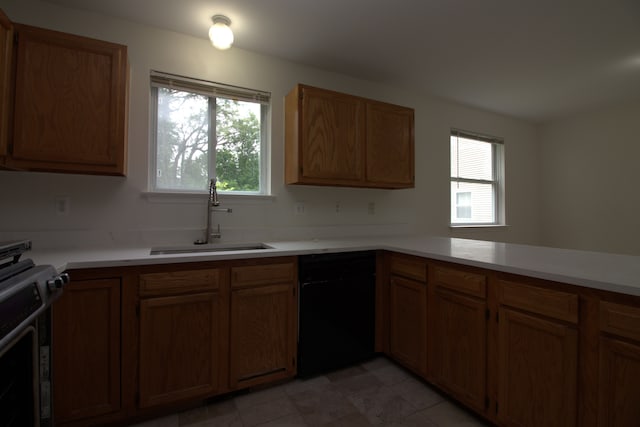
x: 299, y: 208
x: 371, y: 208
x: 62, y: 205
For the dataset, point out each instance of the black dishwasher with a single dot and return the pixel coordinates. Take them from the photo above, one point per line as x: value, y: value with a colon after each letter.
x: 337, y: 310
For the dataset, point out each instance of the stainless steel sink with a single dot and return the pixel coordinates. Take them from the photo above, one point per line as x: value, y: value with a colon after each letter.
x: 212, y: 247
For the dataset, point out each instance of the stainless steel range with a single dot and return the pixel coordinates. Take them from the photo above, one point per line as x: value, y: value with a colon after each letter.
x: 26, y: 293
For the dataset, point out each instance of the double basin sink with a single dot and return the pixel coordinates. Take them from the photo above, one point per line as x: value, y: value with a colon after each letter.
x: 211, y: 247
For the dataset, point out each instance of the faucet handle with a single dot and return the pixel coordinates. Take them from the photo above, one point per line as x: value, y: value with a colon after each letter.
x: 213, y: 194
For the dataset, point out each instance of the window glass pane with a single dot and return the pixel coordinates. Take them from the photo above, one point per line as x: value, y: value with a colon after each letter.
x: 472, y: 203
x: 186, y: 146
x: 182, y: 160
x: 238, y: 145
x: 471, y: 159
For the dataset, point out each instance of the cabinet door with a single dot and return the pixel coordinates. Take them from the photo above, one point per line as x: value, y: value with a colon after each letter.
x: 179, y: 348
x: 262, y: 338
x: 458, y: 345
x: 6, y: 45
x: 619, y: 383
x: 86, y: 350
x: 70, y: 103
x: 408, y: 323
x: 390, y: 142
x: 332, y: 138
x: 537, y: 360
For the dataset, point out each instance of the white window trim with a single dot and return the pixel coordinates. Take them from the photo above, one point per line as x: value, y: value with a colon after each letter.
x: 497, y: 182
x: 207, y: 88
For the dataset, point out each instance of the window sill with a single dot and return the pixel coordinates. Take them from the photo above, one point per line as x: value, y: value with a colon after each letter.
x: 236, y: 199
x: 483, y: 226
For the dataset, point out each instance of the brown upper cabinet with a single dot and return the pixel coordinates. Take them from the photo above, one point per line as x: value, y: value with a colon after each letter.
x: 342, y: 140
x: 6, y: 47
x: 69, y: 105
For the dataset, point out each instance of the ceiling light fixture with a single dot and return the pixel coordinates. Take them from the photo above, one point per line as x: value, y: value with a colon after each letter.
x: 220, y: 33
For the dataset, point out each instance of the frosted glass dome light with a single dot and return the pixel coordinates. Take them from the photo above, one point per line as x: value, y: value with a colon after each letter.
x: 220, y: 32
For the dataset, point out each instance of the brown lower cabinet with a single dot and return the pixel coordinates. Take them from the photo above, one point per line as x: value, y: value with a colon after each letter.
x: 619, y: 363
x: 537, y: 370
x: 408, y: 323
x: 262, y: 341
x: 537, y: 355
x: 408, y: 312
x: 457, y: 333
x: 179, y: 347
x: 86, y: 352
x: 516, y: 350
x: 141, y: 341
x: 180, y: 328
x: 137, y: 342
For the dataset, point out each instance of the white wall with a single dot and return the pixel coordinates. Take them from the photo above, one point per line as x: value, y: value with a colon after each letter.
x: 113, y: 209
x: 591, y: 180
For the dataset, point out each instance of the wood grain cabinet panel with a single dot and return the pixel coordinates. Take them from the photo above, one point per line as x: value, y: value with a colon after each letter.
x: 537, y: 379
x: 332, y: 140
x: 263, y: 322
x: 343, y: 140
x: 410, y: 267
x: 70, y: 104
x: 408, y: 323
x: 547, y: 302
x: 86, y: 350
x: 180, y: 282
x: 619, y: 371
x: 458, y: 345
x: 459, y: 280
x: 390, y: 145
x: 262, y: 274
x: 619, y: 383
x: 6, y: 49
x: 179, y: 348
x: 262, y: 334
x: 621, y: 320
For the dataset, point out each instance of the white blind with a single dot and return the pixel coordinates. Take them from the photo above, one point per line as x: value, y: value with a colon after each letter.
x: 207, y: 88
x: 472, y: 156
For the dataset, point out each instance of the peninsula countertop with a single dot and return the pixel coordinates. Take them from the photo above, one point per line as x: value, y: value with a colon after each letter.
x: 598, y: 270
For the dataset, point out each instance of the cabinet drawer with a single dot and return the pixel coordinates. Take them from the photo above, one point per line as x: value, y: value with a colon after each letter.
x: 557, y: 304
x: 263, y: 274
x: 178, y: 282
x: 410, y: 267
x: 618, y: 319
x: 459, y: 280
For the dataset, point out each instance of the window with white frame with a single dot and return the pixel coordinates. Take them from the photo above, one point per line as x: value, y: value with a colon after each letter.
x: 477, y: 183
x: 203, y: 130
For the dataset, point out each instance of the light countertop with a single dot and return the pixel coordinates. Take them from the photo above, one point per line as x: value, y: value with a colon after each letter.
x: 611, y: 272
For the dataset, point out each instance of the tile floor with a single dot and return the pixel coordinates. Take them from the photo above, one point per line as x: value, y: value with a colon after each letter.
x: 377, y: 392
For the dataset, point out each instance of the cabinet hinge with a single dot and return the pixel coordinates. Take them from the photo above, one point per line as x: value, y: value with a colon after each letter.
x: 488, y: 314
x: 137, y: 310
x: 498, y: 316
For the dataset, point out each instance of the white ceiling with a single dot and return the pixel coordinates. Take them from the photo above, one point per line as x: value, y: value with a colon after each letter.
x: 533, y: 59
